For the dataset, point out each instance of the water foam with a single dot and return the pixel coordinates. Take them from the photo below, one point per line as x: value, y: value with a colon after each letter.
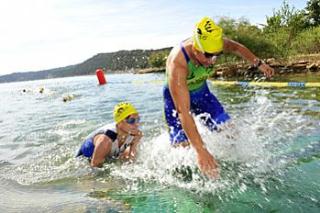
x: 249, y: 152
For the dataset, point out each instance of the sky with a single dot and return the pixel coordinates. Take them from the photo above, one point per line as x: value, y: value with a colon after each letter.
x: 43, y: 34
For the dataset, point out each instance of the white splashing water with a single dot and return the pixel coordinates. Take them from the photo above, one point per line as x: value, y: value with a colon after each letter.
x: 249, y: 149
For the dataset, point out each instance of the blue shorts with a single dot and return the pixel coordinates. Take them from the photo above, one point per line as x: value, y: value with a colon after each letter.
x: 202, y: 101
x: 86, y: 148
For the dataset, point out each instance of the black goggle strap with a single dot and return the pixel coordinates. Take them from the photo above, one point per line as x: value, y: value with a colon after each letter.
x: 210, y: 55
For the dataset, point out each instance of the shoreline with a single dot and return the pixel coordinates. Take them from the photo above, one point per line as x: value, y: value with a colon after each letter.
x: 292, y: 65
x: 240, y: 70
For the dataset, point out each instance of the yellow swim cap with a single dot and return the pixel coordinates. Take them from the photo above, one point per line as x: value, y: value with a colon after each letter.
x: 123, y: 110
x: 207, y: 36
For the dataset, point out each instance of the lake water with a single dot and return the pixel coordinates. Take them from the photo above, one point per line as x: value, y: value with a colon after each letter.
x: 270, y: 164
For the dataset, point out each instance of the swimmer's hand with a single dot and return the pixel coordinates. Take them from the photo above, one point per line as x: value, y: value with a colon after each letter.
x: 136, y: 133
x: 207, y: 164
x: 131, y: 155
x: 267, y: 70
x: 137, y: 136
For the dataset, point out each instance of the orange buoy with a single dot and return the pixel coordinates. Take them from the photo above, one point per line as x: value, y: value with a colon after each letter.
x: 100, y: 76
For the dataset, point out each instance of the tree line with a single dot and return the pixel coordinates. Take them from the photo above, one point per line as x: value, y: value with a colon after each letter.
x: 287, y: 32
x: 116, y: 62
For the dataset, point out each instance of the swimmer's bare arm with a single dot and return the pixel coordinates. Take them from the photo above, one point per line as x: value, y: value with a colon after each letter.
x: 236, y: 48
x: 180, y: 94
x: 102, y: 147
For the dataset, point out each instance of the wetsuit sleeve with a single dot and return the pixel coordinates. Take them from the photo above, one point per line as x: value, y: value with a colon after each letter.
x: 111, y: 134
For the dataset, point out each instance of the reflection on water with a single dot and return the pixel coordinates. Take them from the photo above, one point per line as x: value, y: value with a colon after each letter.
x: 268, y: 161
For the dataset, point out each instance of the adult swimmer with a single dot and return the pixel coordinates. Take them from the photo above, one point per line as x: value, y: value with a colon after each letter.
x: 117, y: 140
x: 186, y: 91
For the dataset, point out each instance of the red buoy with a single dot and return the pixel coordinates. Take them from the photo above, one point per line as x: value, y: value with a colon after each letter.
x: 100, y: 76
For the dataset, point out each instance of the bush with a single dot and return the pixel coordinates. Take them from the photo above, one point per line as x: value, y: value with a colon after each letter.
x: 280, y: 42
x: 307, y: 42
x: 250, y: 36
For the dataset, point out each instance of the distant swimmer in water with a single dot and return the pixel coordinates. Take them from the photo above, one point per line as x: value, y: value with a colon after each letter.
x: 186, y: 91
x: 118, y: 140
x: 67, y: 98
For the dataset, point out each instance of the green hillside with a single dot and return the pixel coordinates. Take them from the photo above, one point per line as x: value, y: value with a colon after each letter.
x: 120, y: 61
